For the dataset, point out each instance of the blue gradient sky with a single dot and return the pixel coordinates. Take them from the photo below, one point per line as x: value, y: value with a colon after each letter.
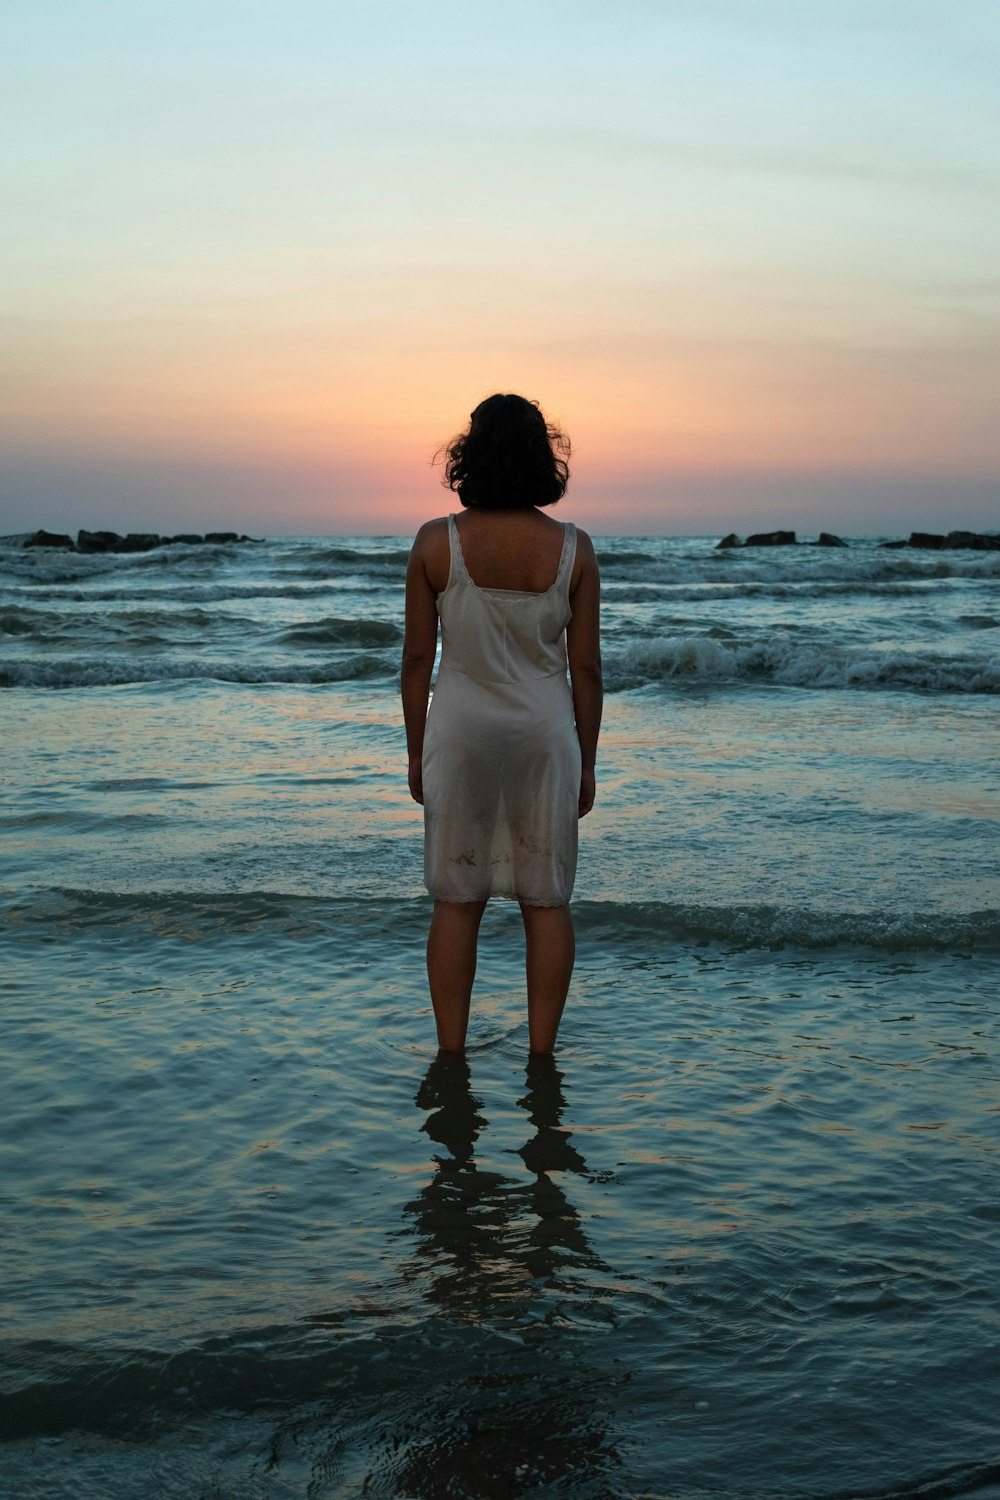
x: 258, y: 261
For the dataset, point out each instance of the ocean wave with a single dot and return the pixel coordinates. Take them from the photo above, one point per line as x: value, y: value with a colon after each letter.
x: 334, y: 631
x: 793, y: 663
x: 54, y: 565
x: 666, y: 563
x: 61, y: 911
x: 772, y: 926
x: 722, y: 589
x: 56, y: 1387
x: 17, y: 621
x: 368, y: 1398
x: 135, y: 627
x: 624, y: 558
x: 803, y: 565
x: 325, y: 555
x: 781, y: 660
x: 80, y: 673
x: 191, y: 593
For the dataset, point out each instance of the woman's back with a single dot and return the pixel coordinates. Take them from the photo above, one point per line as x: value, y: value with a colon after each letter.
x: 514, y: 550
x: 503, y: 634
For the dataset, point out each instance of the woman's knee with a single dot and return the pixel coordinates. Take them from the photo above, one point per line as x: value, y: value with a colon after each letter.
x: 459, y: 911
x: 553, y: 918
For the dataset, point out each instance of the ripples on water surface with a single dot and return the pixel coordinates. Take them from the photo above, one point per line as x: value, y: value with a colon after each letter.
x: 739, y: 1239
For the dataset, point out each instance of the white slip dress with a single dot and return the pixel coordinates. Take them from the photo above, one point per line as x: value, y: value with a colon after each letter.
x: 501, y: 758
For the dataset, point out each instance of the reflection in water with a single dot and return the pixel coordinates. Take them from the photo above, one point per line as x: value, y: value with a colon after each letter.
x: 490, y: 1240
x: 556, y: 1222
x: 504, y: 1254
x: 488, y: 1386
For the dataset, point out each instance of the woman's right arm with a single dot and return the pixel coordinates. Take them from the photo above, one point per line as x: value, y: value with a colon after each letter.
x: 583, y: 644
x: 419, y: 649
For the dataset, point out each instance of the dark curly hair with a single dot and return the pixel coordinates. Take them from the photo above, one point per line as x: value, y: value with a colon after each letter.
x: 508, y: 458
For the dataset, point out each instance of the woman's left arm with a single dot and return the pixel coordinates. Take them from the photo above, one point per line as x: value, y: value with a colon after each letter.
x: 583, y: 641
x: 419, y: 649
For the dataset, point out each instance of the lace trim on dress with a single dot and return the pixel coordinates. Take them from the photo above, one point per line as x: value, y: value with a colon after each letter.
x: 458, y: 563
x: 495, y: 896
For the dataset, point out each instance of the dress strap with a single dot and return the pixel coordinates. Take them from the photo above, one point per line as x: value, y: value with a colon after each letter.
x: 457, y: 569
x: 459, y: 573
x: 568, y: 557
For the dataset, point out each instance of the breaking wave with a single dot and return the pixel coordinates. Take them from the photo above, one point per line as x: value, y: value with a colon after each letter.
x: 53, y: 565
x: 791, y: 663
x: 61, y: 911
x: 662, y: 660
x: 191, y: 593
x: 124, y: 626
x: 97, y: 672
x: 335, y: 631
x: 845, y: 571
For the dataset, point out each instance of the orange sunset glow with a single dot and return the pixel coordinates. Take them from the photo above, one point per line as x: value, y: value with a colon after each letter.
x: 265, y: 276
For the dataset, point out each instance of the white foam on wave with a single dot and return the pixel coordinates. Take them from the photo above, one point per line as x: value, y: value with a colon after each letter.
x: 803, y: 565
x: 721, y: 590
x: 57, y: 565
x: 82, y: 673
x: 768, y: 926
x: 191, y: 593
x: 63, y: 908
x: 793, y: 663
x: 781, y: 660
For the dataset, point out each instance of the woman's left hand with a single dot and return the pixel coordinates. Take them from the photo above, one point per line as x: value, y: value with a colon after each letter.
x: 416, y: 778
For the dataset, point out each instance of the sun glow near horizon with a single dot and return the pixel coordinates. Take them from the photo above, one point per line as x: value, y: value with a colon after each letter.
x: 730, y: 249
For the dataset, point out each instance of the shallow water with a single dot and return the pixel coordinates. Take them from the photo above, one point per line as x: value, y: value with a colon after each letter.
x: 740, y: 1238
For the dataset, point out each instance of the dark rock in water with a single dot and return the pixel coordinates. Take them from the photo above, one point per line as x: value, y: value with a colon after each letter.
x: 975, y: 541
x: 140, y: 541
x: 49, y: 539
x: 926, y: 539
x: 933, y: 541
x: 110, y: 541
x: 771, y: 539
x: 827, y: 539
x: 97, y: 541
x: 732, y: 540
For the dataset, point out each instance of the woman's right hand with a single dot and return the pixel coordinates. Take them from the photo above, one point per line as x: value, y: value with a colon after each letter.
x: 587, y: 791
x: 415, y: 777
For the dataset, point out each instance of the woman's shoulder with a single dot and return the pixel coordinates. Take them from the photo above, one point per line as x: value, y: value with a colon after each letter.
x: 584, y: 545
x: 585, y: 561
x: 431, y: 537
x: 431, y: 550
x: 430, y: 529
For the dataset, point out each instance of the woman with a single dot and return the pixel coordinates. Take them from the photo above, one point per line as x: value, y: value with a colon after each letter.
x: 506, y: 765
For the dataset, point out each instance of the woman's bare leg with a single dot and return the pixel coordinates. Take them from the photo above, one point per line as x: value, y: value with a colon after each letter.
x: 551, y: 949
x: 451, y: 967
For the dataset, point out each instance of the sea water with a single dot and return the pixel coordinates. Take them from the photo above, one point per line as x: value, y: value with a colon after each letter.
x: 738, y: 1238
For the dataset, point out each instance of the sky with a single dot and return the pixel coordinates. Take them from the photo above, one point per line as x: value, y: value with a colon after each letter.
x: 258, y: 261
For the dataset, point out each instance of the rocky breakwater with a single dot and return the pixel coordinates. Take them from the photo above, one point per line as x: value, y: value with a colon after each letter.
x: 780, y: 539
x: 974, y: 541
x: 110, y: 541
x: 932, y: 541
